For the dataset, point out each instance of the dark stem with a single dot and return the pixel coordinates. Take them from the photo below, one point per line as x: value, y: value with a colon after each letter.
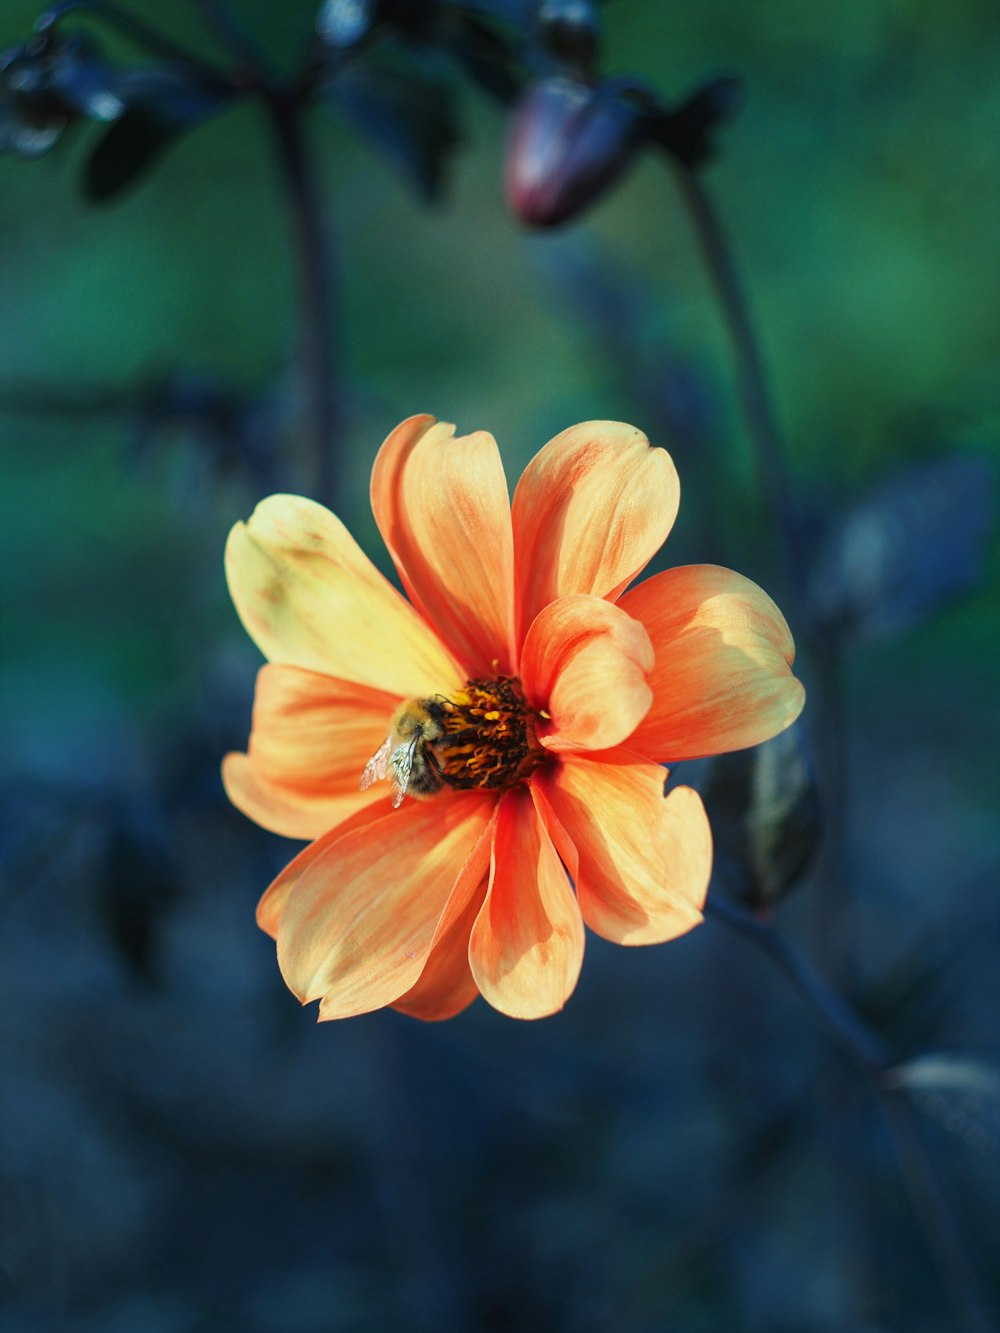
x: 853, y: 1034
x: 930, y: 1205
x: 153, y: 41
x: 771, y: 463
x: 317, y: 351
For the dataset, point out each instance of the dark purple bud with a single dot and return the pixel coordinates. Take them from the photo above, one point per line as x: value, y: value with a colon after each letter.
x: 568, y: 145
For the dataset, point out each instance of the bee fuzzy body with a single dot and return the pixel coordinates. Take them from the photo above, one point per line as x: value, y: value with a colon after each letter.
x: 406, y: 756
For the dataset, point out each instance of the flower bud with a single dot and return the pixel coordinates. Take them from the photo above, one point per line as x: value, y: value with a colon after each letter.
x: 569, y: 143
x: 45, y: 85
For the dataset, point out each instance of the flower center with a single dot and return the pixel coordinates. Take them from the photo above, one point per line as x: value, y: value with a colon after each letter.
x: 484, y: 737
x: 488, y: 735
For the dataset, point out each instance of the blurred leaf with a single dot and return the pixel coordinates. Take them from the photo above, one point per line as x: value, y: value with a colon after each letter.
x: 406, y: 109
x: 688, y: 130
x: 765, y: 815
x: 484, y: 55
x: 233, y: 433
x: 139, y: 887
x: 962, y: 1093
x: 914, y: 543
x: 161, y: 103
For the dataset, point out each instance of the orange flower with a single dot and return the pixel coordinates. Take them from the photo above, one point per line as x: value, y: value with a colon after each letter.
x: 466, y: 758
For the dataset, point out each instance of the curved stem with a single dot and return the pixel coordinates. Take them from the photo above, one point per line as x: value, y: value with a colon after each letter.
x: 153, y: 41
x: 863, y: 1045
x: 758, y: 409
x: 930, y: 1205
x: 318, y: 338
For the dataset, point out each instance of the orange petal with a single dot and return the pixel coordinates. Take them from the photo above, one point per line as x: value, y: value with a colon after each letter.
x: 446, y: 985
x: 308, y: 596
x: 359, y: 917
x: 641, y: 862
x: 590, y: 511
x: 527, y: 943
x: 311, y: 738
x: 722, y: 679
x: 584, y: 663
x: 441, y: 505
x: 272, y: 902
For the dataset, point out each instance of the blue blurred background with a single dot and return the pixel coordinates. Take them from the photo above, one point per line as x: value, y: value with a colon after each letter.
x: 184, y: 1149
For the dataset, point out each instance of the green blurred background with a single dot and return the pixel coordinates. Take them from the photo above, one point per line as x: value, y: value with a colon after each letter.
x: 859, y: 185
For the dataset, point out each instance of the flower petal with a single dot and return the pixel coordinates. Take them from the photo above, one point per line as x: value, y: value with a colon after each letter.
x: 722, y: 679
x: 590, y: 511
x: 360, y: 912
x: 526, y: 948
x: 441, y: 505
x: 641, y: 862
x: 584, y: 664
x: 308, y: 596
x: 446, y: 985
x: 311, y: 738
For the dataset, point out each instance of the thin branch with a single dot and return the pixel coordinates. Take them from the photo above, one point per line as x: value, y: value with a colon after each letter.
x: 757, y: 406
x: 318, y: 337
x: 149, y: 38
x: 930, y: 1205
x: 855, y: 1037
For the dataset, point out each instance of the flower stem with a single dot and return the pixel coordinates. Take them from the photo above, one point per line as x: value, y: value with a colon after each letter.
x: 284, y: 103
x: 931, y: 1207
x: 863, y: 1045
x: 317, y: 334
x: 772, y: 468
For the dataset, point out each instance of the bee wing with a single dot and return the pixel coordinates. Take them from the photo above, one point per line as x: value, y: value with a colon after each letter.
x: 377, y: 767
x: 401, y: 768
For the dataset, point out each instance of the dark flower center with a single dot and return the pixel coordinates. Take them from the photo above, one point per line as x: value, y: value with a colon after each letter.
x: 487, y: 735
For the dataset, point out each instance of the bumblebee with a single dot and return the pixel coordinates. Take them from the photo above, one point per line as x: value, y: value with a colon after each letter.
x: 406, y: 756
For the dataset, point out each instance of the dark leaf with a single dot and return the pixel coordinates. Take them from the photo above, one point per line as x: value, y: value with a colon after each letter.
x: 485, y: 56
x: 764, y: 810
x: 962, y: 1093
x: 231, y: 432
x: 139, y: 887
x: 914, y: 543
x: 407, y: 110
x: 160, y: 104
x: 688, y: 129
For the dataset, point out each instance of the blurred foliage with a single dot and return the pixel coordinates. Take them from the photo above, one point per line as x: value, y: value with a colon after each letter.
x: 181, y: 1148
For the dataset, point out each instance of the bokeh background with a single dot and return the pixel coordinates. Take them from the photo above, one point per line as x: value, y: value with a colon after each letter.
x: 183, y: 1149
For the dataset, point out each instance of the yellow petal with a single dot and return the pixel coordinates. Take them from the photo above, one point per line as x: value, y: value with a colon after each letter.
x: 584, y: 664
x: 308, y: 596
x: 360, y: 913
x: 641, y: 862
x: 590, y: 511
x: 722, y: 679
x: 311, y: 738
x: 442, y: 507
x: 526, y: 948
